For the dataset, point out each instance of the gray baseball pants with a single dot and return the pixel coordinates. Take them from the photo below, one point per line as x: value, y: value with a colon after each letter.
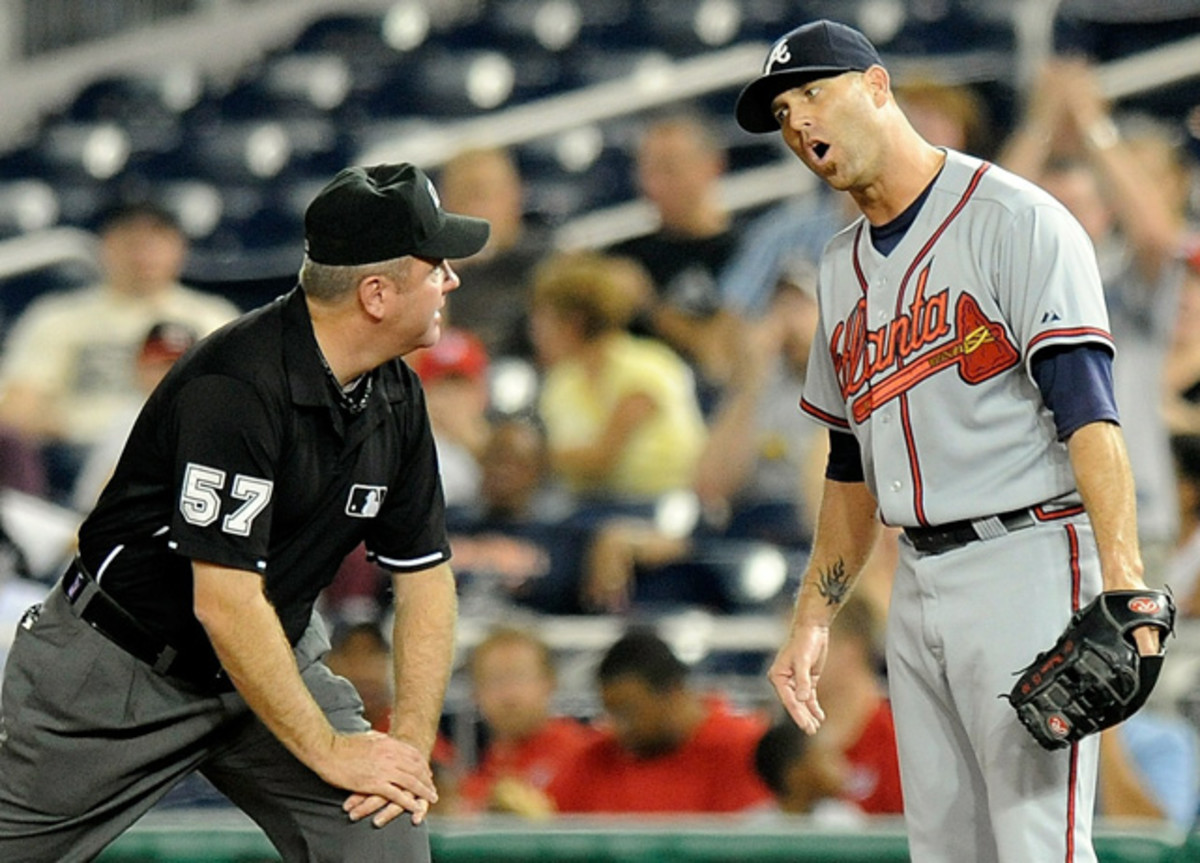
x: 91, y: 738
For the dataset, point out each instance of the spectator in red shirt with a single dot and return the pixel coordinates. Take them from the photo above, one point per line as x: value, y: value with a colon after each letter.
x: 669, y: 748
x: 806, y: 776
x: 513, y: 680
x: 859, y: 714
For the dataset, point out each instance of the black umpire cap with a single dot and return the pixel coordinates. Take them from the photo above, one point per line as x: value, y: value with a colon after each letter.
x: 819, y: 49
x: 365, y: 215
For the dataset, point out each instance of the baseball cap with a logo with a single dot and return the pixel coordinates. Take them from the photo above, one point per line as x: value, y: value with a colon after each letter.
x: 819, y: 49
x: 366, y: 215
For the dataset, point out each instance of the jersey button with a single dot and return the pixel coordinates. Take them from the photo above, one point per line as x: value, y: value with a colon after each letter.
x: 897, y: 485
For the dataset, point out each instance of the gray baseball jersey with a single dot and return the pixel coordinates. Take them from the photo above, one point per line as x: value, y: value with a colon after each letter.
x: 925, y: 354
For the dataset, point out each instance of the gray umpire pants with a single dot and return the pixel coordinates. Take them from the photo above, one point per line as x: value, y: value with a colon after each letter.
x: 91, y: 738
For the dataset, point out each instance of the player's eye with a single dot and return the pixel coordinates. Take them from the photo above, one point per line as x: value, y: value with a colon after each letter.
x: 781, y: 114
x: 812, y: 92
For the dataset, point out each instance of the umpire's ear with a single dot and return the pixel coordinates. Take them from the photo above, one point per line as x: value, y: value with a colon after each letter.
x: 373, y: 291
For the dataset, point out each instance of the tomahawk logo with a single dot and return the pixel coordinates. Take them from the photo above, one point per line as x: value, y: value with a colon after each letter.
x: 780, y: 54
x: 365, y: 501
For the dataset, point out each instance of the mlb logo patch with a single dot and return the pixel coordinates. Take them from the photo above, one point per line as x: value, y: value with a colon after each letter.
x: 364, y: 501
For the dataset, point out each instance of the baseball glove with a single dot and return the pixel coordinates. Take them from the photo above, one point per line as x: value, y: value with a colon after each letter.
x: 1093, y: 677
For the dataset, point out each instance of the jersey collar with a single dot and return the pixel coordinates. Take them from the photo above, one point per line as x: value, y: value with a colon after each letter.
x: 306, y: 378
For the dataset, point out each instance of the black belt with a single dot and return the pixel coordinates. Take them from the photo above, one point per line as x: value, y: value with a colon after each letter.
x: 945, y: 537
x: 100, y: 611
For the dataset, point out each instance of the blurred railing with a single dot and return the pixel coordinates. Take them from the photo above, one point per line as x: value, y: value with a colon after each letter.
x: 219, y: 837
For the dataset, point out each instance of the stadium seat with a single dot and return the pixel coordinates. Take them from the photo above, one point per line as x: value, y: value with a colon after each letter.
x: 27, y: 204
x: 137, y: 98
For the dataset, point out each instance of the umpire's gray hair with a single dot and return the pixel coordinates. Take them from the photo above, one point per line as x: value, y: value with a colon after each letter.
x: 330, y: 284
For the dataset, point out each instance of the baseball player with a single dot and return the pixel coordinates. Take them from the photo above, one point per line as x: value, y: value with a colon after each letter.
x: 183, y: 638
x: 962, y: 366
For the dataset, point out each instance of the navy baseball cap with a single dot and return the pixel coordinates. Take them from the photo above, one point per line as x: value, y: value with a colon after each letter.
x: 365, y: 215
x: 819, y: 49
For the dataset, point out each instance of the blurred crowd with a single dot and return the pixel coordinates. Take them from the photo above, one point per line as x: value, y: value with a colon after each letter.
x: 618, y: 435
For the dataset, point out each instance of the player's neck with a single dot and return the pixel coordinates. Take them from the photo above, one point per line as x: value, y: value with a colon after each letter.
x: 909, y: 170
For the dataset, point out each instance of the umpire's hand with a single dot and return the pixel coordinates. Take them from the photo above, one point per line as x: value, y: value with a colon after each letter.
x: 388, y: 776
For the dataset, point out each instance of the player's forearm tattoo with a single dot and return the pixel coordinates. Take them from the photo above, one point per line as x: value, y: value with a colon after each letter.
x: 833, y: 583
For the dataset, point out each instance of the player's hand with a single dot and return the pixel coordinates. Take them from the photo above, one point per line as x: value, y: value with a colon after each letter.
x: 1148, y: 640
x: 795, y: 672
x: 388, y: 776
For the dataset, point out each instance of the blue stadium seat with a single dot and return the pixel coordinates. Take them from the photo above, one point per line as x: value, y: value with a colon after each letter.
x: 350, y: 35
x: 916, y: 29
x: 553, y: 25
x: 440, y: 82
x: 687, y: 27
x: 137, y: 98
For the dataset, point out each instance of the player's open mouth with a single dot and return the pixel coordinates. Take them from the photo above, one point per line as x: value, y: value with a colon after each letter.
x: 818, y: 150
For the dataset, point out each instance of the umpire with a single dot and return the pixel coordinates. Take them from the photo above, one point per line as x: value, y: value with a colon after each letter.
x: 183, y: 636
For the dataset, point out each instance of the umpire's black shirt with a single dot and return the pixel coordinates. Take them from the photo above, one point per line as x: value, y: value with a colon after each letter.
x: 243, y: 457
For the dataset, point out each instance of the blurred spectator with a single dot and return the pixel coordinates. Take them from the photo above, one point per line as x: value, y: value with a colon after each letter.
x: 68, y: 367
x: 1182, y: 570
x: 805, y: 776
x: 1149, y: 769
x: 454, y: 376
x: 754, y: 474
x: 360, y: 653
x: 620, y: 411
x: 21, y: 465
x: 787, y: 237
x: 859, y: 716
x: 679, y: 163
x: 1183, y: 356
x: 486, y: 183
x: 759, y: 465
x: 360, y: 591
x: 516, y: 543
x: 668, y: 748
x: 625, y: 553
x: 1129, y: 192
x: 513, y: 681
x: 166, y: 342
x: 947, y: 115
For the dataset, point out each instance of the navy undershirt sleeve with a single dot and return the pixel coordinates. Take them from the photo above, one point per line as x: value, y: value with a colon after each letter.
x: 1077, y: 385
x: 845, y: 459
